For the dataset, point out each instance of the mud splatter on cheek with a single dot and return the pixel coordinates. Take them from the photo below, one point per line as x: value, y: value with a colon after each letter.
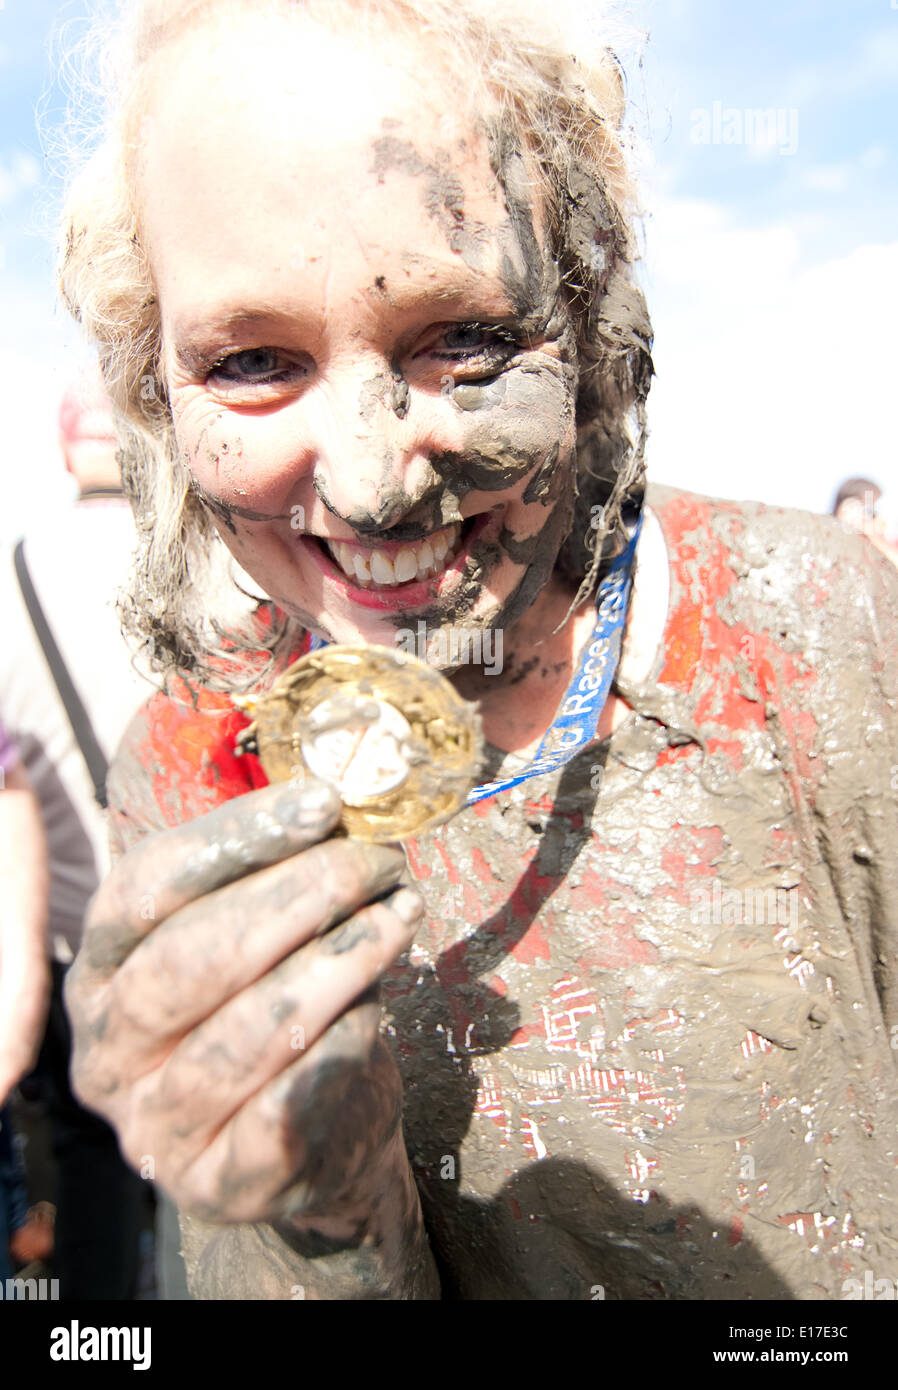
x: 391, y: 391
x: 535, y: 552
x: 513, y: 424
x: 476, y: 395
x: 518, y: 438
x: 549, y: 498
x: 225, y: 511
x: 371, y: 392
x: 399, y: 398
x: 540, y: 486
x: 220, y: 463
x: 218, y: 509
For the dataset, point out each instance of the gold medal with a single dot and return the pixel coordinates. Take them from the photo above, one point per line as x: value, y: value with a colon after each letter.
x: 390, y: 733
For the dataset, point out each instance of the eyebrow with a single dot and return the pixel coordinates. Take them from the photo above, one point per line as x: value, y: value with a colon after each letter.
x: 457, y: 283
x: 198, y: 339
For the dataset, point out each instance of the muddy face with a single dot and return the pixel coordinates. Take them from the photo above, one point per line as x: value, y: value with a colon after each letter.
x: 371, y: 373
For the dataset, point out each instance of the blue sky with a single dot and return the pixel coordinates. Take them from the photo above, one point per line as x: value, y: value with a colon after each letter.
x: 771, y: 264
x: 834, y: 64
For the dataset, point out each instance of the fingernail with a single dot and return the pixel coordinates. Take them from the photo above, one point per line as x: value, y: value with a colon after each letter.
x: 408, y: 905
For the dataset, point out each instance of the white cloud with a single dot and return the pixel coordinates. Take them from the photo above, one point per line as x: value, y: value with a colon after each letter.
x: 874, y: 157
x: 826, y: 178
x: 775, y: 379
x: 836, y: 177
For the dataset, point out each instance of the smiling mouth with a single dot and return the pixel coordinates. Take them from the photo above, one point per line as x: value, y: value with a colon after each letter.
x: 373, y: 567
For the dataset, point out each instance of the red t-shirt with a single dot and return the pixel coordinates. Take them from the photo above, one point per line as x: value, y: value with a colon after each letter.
x: 647, y: 1029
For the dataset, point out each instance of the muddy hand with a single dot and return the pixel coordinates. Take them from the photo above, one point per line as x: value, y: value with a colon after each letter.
x: 226, y: 1026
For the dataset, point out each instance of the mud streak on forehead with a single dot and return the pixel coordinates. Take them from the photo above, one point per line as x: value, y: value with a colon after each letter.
x: 527, y: 270
x: 443, y: 196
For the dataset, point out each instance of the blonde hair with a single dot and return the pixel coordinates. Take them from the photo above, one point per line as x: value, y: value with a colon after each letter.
x: 566, y: 108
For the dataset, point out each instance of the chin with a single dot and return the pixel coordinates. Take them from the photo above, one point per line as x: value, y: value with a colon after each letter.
x: 409, y: 630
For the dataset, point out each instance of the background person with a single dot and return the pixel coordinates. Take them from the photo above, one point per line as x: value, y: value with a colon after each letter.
x: 24, y: 990
x: 855, y: 508
x: 13, y: 1193
x: 24, y: 968
x: 75, y: 559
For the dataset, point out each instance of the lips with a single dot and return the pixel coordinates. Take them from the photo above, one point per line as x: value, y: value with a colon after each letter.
x: 400, y: 596
x: 381, y: 568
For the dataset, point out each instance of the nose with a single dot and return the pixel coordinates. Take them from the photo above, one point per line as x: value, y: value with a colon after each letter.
x: 371, y: 468
x: 379, y: 510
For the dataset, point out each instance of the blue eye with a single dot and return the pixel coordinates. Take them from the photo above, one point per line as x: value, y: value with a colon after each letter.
x: 258, y: 362
x: 465, y: 335
x: 474, y: 339
x: 256, y: 366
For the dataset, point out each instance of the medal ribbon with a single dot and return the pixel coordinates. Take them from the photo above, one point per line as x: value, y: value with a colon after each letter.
x: 575, y: 724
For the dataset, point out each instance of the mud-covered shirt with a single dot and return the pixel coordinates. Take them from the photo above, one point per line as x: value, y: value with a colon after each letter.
x: 648, y: 1029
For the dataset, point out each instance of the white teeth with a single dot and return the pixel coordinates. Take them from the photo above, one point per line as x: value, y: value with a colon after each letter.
x: 418, y: 560
x: 358, y: 565
x: 405, y: 566
x: 426, y: 558
x: 381, y: 568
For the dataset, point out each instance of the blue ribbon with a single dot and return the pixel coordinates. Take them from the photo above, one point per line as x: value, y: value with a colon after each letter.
x: 575, y: 724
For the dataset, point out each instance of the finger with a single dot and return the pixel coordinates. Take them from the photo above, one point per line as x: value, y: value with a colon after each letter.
x: 302, y: 1139
x: 172, y: 868
x: 253, y: 1038
x: 210, y: 950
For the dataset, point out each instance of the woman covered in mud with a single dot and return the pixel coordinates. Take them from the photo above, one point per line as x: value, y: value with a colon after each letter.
x: 360, y: 274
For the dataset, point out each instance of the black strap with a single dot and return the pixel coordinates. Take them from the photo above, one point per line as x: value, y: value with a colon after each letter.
x: 82, y: 728
x: 90, y: 493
